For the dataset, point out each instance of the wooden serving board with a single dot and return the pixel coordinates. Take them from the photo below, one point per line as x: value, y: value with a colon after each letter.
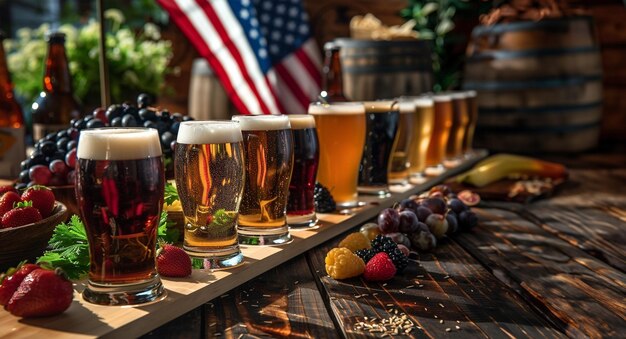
x: 83, y: 319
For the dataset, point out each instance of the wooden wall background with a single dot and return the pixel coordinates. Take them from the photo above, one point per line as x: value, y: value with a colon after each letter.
x: 330, y: 19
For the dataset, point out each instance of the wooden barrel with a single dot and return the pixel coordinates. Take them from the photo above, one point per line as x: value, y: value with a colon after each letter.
x: 539, y: 85
x: 385, y: 69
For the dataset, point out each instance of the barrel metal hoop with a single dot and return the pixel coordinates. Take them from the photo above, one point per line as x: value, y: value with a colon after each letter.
x: 551, y: 24
x: 540, y: 110
x: 537, y: 129
x: 503, y: 54
x: 531, y: 83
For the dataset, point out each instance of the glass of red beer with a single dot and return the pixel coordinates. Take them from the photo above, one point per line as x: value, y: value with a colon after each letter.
x: 301, y: 206
x: 119, y: 186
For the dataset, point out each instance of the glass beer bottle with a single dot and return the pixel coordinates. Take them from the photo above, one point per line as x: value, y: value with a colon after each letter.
x: 11, y: 123
x: 56, y: 105
x: 333, y: 75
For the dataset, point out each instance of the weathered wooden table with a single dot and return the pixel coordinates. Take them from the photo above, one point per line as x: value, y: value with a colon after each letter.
x: 552, y: 268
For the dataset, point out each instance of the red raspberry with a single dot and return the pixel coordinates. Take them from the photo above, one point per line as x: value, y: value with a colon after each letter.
x: 379, y: 268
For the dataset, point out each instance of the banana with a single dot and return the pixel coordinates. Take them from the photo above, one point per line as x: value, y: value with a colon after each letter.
x: 502, y: 166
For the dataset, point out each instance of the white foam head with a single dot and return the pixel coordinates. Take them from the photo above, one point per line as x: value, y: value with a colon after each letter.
x: 382, y: 106
x: 408, y: 104
x: 471, y: 93
x: 209, y: 132
x: 337, y: 108
x: 119, y: 144
x: 440, y: 97
x: 301, y: 121
x: 460, y: 95
x: 262, y: 122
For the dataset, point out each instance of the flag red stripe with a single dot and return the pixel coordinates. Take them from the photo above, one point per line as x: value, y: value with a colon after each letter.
x: 203, y: 49
x: 306, y: 61
x: 219, y: 28
x: 279, y: 104
x: 300, y: 96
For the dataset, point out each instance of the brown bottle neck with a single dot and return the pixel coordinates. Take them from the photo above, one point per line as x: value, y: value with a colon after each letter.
x: 57, y: 77
x: 333, y: 76
x: 10, y: 111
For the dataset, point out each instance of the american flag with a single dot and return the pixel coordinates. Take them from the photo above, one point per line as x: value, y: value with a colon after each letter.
x: 261, y: 50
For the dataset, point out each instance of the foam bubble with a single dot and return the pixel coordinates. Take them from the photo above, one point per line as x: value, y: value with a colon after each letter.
x: 119, y: 144
x: 262, y: 122
x: 408, y: 104
x: 301, y: 121
x: 339, y: 108
x: 209, y: 132
x: 442, y: 97
x: 458, y: 95
x: 380, y: 106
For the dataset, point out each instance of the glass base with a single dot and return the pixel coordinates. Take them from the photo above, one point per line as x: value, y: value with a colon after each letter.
x: 350, y: 204
x: 301, y: 222
x: 452, y: 163
x: 381, y: 191
x: 126, y: 294
x: 217, y: 259
x: 399, y: 181
x: 418, y: 178
x: 434, y: 171
x: 264, y: 237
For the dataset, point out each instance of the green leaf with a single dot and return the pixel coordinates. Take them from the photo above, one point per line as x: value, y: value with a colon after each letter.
x: 171, y: 194
x: 444, y: 27
x: 167, y: 230
x: 69, y: 249
x: 430, y: 8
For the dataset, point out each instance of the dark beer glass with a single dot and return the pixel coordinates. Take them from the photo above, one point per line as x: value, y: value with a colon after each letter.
x: 209, y: 165
x: 381, y: 127
x: 268, y: 150
x: 119, y: 186
x: 301, y: 206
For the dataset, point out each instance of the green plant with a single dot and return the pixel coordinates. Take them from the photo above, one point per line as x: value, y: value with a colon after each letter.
x: 435, y: 19
x: 137, y: 62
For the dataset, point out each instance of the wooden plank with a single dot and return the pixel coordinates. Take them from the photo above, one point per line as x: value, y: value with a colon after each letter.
x: 449, y: 289
x: 83, y: 319
x: 581, y: 294
x: 283, y: 302
x: 188, y: 325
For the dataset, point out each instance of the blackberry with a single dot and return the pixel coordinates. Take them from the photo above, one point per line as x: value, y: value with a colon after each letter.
x: 365, y: 254
x: 385, y: 244
x: 324, y: 202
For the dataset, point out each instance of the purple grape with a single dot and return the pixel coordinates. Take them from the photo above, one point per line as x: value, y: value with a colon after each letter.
x: 436, y: 205
x: 40, y: 174
x: 399, y: 238
x: 468, y: 220
x: 437, y: 224
x: 453, y: 223
x: 422, y: 227
x: 58, y: 167
x: 388, y: 220
x: 408, y: 221
x: 408, y: 204
x: 457, y: 205
x: 423, y: 212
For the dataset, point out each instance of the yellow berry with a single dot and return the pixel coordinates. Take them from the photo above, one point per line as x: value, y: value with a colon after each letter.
x: 370, y: 230
x: 355, y: 241
x: 341, y: 263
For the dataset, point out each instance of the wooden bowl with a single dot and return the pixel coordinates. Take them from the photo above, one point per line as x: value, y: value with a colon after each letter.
x: 29, y: 241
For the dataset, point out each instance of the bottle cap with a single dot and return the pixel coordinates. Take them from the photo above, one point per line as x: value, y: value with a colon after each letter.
x: 55, y: 37
x: 331, y: 46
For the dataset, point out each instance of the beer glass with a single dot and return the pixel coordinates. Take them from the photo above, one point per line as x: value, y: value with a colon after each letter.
x: 341, y: 132
x: 268, y: 150
x: 422, y: 130
x: 381, y: 127
x: 119, y: 186
x: 400, y: 162
x: 439, y: 138
x: 460, y: 120
x: 301, y: 205
x: 209, y: 171
x: 472, y: 109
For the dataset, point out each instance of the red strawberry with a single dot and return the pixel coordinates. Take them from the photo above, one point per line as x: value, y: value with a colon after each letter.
x: 379, y: 268
x: 7, y: 201
x: 13, y: 281
x: 22, y: 214
x: 172, y: 261
x: 42, y: 198
x: 7, y: 188
x: 42, y: 293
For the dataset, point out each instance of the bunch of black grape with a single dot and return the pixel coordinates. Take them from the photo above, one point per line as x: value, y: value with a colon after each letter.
x: 418, y: 223
x: 53, y: 161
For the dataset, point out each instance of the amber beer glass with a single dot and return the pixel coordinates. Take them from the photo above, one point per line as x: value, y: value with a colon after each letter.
x: 400, y: 162
x: 381, y: 127
x: 422, y: 131
x: 472, y: 109
x: 441, y: 132
x: 341, y: 132
x: 460, y: 120
x: 209, y: 171
x: 119, y: 186
x: 268, y: 150
x: 301, y: 205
